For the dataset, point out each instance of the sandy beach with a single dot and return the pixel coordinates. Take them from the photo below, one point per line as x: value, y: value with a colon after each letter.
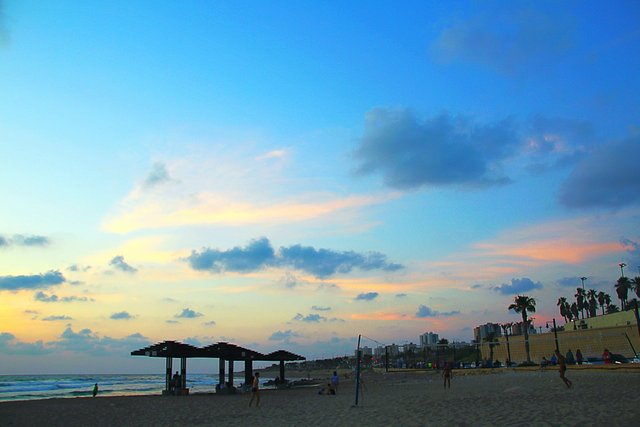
x: 501, y: 398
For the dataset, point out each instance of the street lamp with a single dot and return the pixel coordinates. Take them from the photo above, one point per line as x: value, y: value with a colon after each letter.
x: 582, y: 279
x: 622, y: 266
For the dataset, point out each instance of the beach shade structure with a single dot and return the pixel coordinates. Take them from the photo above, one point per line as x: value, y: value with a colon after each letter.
x: 230, y: 353
x: 282, y: 356
x: 171, y: 350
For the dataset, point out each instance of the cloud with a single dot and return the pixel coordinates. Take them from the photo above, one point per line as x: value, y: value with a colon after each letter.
x: 320, y: 308
x: 401, y: 295
x: 424, y: 311
x: 9, y: 344
x: 325, y: 262
x: 284, y: 336
x: 37, y: 281
x: 633, y: 252
x: 310, y: 318
x: 172, y: 322
x: 518, y: 286
x: 121, y: 315
x: 86, y: 341
x: 43, y: 297
x: 24, y: 240
x: 119, y: 263
x: 440, y: 151
x: 570, y: 282
x: 157, y: 176
x: 369, y: 296
x: 188, y: 314
x: 508, y: 40
x: 56, y: 318
x: 555, y: 142
x: 259, y: 254
x: 210, y: 323
x: 607, y: 178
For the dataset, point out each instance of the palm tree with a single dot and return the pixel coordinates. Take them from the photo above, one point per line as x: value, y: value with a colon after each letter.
x: 635, y: 283
x: 593, y: 303
x: 622, y: 289
x: 612, y: 308
x: 523, y: 304
x: 580, y: 300
x: 493, y: 341
x: 574, y: 311
x: 607, y: 300
x: 601, y: 300
x: 563, y: 305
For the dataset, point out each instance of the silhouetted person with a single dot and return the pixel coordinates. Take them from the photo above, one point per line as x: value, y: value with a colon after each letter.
x: 255, y: 390
x: 579, y: 357
x: 447, y: 374
x: 95, y: 390
x: 562, y: 368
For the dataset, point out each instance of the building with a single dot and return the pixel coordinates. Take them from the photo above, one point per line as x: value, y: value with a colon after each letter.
x: 429, y: 339
x: 366, y: 351
x: 483, y: 331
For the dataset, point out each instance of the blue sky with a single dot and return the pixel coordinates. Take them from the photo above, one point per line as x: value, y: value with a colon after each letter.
x: 293, y: 174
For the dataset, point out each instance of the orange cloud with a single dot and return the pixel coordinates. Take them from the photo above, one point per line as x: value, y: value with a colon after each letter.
x: 380, y: 316
x: 552, y: 250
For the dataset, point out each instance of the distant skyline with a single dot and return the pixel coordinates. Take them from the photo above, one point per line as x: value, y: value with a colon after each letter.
x: 288, y: 175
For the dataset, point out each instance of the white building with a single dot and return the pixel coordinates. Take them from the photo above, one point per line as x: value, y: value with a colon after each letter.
x: 429, y: 339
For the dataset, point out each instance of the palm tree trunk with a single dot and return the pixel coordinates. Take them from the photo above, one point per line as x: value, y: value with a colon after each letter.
x: 525, y: 325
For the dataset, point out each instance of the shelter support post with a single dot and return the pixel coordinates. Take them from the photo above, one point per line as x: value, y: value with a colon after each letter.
x: 221, y: 371
x: 230, y: 373
x: 167, y: 380
x: 183, y: 373
x: 282, y: 371
x: 248, y: 372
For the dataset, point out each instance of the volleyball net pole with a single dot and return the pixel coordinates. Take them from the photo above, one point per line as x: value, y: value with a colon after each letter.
x: 358, y: 357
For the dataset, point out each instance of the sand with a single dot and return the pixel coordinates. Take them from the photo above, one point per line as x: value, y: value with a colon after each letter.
x: 502, y: 398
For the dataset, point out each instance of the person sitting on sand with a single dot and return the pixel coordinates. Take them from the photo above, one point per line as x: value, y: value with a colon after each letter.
x: 578, y: 356
x: 569, y: 357
x: 255, y: 390
x: 95, y: 390
x: 447, y: 374
x: 544, y: 362
x: 562, y: 368
x: 606, y: 356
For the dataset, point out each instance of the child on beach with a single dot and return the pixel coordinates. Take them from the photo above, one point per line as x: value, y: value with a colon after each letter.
x: 255, y: 390
x: 447, y: 374
x: 335, y: 380
x: 562, y: 368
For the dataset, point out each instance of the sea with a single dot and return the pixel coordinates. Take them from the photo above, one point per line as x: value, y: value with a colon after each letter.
x: 30, y: 387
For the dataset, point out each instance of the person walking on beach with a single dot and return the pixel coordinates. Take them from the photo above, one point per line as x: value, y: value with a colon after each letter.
x: 562, y: 368
x: 579, y: 357
x: 447, y: 374
x: 335, y: 380
x: 255, y: 390
x: 95, y: 390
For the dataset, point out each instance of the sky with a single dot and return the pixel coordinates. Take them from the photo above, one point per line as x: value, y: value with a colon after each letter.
x: 294, y: 174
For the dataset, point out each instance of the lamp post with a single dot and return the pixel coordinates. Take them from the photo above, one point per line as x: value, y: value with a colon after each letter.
x: 582, y: 279
x: 555, y: 333
x: 622, y: 266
